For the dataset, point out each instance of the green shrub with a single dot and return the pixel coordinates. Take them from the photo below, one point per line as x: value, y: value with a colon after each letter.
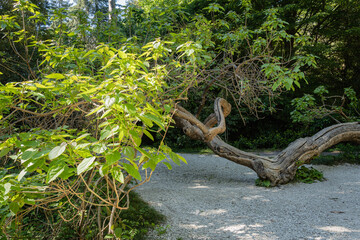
x: 308, y: 175
x: 262, y: 183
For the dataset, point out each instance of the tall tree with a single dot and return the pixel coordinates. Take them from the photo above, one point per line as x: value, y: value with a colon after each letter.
x: 111, y: 4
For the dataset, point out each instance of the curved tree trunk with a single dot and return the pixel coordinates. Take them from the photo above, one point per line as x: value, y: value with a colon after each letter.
x: 278, y: 170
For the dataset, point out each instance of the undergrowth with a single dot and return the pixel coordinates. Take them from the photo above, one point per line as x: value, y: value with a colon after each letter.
x: 308, y: 175
x: 135, y: 224
x: 262, y: 183
x: 347, y: 153
x: 140, y: 217
x: 303, y: 174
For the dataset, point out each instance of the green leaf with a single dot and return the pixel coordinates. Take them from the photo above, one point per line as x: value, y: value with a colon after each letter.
x: 30, y: 143
x: 108, y: 132
x: 7, y: 187
x: 109, y: 101
x: 121, y: 134
x: 117, y: 174
x: 276, y: 85
x: 104, y: 134
x: 167, y: 108
x: 130, y: 108
x: 82, y: 146
x: 38, y: 163
x: 41, y: 154
x: 143, y: 152
x: 29, y: 201
x: 136, y: 138
x: 112, y: 158
x: 55, y: 76
x: 82, y: 137
x: 54, y: 172
x: 68, y: 172
x: 288, y: 83
x: 57, y: 151
x: 106, y: 113
x: 38, y: 85
x: 129, y: 152
x: 175, y: 158
x: 155, y: 119
x: 21, y: 174
x: 148, y: 134
x: 88, y: 53
x: 4, y: 151
x: 147, y: 121
x: 14, y: 207
x: 151, y: 163
x: 118, y: 232
x: 181, y: 158
x: 99, y: 148
x: 132, y: 171
x: 85, y: 164
x: 168, y: 165
x: 28, y: 154
x: 95, y: 110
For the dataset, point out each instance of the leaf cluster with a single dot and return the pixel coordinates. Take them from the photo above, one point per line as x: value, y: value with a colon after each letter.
x: 308, y: 175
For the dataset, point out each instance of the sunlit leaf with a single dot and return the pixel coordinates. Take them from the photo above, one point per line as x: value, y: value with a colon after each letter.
x: 14, y: 207
x: 181, y: 158
x: 7, y: 187
x: 85, y: 165
x: 4, y: 151
x: 129, y: 152
x: 57, y: 151
x: 117, y: 174
x: 21, y: 174
x: 54, y: 172
x: 28, y: 154
x: 113, y: 157
x: 132, y: 171
x: 175, y: 158
x: 135, y: 137
x: 55, y: 76
x: 99, y: 148
x: 168, y: 165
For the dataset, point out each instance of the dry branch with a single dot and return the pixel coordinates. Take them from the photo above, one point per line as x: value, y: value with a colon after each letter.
x: 278, y: 170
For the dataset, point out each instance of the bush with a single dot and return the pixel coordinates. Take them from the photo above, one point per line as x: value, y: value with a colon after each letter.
x: 74, y: 137
x: 308, y: 175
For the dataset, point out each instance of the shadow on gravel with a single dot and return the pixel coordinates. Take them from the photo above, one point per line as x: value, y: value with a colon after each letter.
x: 212, y: 198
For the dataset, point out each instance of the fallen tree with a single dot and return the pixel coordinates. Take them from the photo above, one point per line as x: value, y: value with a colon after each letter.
x: 280, y: 169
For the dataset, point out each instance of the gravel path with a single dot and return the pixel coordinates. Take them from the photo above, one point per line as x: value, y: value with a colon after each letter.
x: 213, y: 198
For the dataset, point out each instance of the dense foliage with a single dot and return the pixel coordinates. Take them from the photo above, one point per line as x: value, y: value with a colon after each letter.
x: 88, y: 92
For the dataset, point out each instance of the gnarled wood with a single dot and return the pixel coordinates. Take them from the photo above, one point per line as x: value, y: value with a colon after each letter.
x: 278, y: 170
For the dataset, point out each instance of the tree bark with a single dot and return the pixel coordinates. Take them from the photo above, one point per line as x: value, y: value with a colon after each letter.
x: 111, y: 8
x: 280, y: 169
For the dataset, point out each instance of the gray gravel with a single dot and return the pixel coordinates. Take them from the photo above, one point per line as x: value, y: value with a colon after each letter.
x: 213, y: 198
